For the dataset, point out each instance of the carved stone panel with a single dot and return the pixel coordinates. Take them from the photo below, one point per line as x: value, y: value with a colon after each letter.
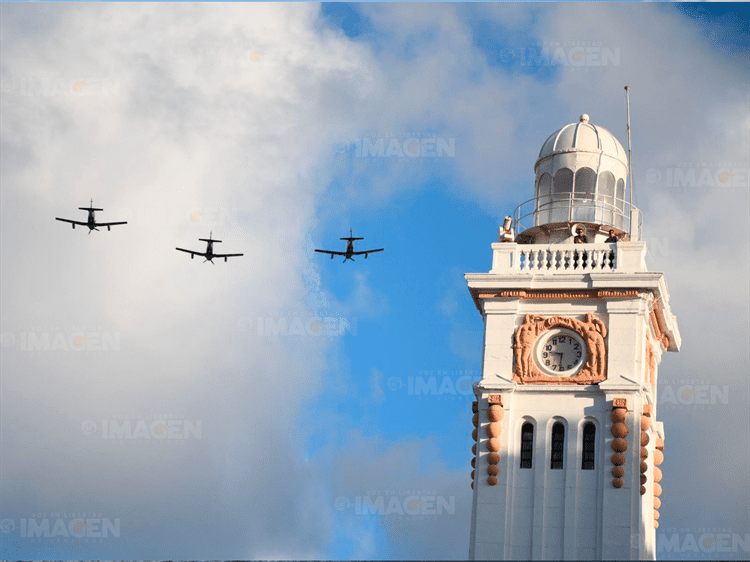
x: 591, y: 329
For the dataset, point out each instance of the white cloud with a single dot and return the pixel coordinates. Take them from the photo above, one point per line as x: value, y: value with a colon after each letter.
x: 186, y: 120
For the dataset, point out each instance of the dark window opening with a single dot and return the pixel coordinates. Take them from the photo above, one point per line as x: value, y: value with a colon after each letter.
x: 527, y: 444
x: 589, y: 441
x: 558, y: 446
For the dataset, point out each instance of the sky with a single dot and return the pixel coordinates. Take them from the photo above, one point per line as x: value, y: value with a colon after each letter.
x: 164, y: 408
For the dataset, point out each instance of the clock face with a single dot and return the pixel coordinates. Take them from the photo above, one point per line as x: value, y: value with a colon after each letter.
x: 560, y: 352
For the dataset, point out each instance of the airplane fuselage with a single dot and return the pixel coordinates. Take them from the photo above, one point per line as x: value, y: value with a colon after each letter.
x: 349, y: 250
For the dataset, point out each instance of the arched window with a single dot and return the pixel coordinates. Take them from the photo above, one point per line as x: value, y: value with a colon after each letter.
x: 606, y: 188
x: 527, y: 444
x: 563, y: 181
x: 620, y: 202
x: 621, y: 195
x: 544, y: 188
x: 605, y: 196
x: 558, y: 446
x: 562, y: 191
x: 544, y: 198
x: 585, y: 180
x: 589, y: 446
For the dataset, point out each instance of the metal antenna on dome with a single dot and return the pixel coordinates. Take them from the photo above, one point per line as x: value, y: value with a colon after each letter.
x: 630, y: 162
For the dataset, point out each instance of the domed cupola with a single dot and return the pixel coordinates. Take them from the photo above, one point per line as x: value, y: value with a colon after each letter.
x: 581, y: 179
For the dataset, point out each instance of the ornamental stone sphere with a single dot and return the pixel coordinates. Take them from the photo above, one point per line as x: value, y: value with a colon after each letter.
x: 618, y: 459
x: 656, y: 524
x: 495, y: 413
x: 493, y: 458
x: 618, y: 415
x: 619, y: 445
x: 474, y: 435
x: 474, y: 448
x: 644, y: 453
x: 656, y: 514
x: 618, y: 472
x: 644, y: 466
x: 643, y: 490
x: 657, y: 503
x: 493, y: 444
x: 644, y: 479
x: 645, y: 423
x: 494, y: 430
x: 492, y: 480
x: 617, y: 482
x: 474, y: 462
x: 620, y: 430
x: 657, y: 490
x: 644, y: 439
x: 472, y: 475
x: 658, y: 457
x: 493, y: 470
x: 475, y: 420
x: 657, y: 474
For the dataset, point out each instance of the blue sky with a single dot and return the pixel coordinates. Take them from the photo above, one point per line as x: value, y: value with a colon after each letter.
x: 248, y: 120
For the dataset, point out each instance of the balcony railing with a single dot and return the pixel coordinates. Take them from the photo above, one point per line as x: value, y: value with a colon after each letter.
x: 552, y: 259
x: 577, y: 207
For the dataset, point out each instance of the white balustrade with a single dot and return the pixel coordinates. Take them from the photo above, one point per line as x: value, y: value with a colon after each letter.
x: 552, y: 259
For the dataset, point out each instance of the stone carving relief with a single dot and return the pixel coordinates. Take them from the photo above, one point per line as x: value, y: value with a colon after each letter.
x: 590, y: 328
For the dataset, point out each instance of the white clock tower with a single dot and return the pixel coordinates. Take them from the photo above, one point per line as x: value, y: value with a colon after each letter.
x: 567, y: 443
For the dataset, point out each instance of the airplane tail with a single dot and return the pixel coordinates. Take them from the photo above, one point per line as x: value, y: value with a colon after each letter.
x: 210, y: 238
x: 351, y: 236
x: 90, y: 207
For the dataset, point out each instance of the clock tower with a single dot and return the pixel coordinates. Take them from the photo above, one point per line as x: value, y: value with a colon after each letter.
x: 567, y: 447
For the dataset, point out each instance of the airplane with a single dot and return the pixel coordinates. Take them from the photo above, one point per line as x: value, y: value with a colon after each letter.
x: 349, y: 249
x: 91, y: 221
x: 209, y: 253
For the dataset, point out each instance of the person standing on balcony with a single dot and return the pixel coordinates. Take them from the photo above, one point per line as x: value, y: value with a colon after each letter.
x: 611, y: 240
x: 580, y: 239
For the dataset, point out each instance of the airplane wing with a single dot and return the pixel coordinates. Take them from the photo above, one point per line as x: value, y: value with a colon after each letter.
x: 72, y: 222
x: 368, y: 252
x: 331, y: 252
x: 110, y: 223
x: 227, y: 255
x: 192, y: 252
